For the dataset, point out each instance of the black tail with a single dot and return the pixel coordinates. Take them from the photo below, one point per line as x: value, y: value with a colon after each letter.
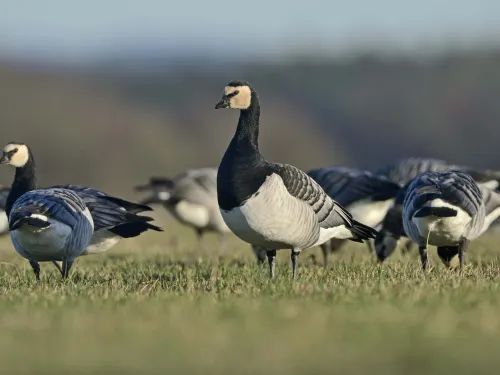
x: 129, y: 230
x: 31, y: 221
x: 436, y: 211
x: 361, y: 232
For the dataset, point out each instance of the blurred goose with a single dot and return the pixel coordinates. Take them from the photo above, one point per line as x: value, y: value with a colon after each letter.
x: 111, y: 217
x: 4, y: 220
x: 403, y: 172
x: 191, y: 197
x: 274, y: 206
x: 445, y: 210
x: 365, y: 195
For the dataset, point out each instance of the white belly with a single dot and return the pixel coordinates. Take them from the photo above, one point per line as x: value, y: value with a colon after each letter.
x: 447, y: 231
x: 190, y: 213
x: 273, y: 219
x: 4, y: 222
x: 101, y: 242
x: 368, y: 212
x: 41, y: 245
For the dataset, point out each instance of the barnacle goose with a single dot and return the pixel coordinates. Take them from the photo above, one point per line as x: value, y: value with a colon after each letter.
x: 4, y: 220
x: 403, y: 172
x: 385, y: 242
x: 445, y: 210
x: 191, y: 197
x: 365, y: 195
x: 274, y: 206
x: 112, y: 218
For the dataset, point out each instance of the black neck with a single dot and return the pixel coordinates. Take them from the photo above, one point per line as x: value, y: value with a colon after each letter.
x: 247, y: 131
x: 242, y: 170
x: 24, y: 181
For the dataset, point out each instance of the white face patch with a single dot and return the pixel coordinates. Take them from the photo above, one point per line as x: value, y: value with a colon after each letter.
x: 242, y: 99
x: 20, y: 157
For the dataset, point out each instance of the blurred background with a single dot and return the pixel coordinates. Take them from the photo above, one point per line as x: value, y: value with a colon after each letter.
x: 108, y: 92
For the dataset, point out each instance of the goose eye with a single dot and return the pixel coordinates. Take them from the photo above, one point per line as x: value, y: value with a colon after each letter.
x: 236, y: 92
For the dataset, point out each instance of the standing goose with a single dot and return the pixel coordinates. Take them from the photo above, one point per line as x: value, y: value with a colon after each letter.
x: 445, y: 210
x: 112, y: 218
x: 274, y: 206
x: 191, y: 197
x: 365, y: 195
x: 4, y: 220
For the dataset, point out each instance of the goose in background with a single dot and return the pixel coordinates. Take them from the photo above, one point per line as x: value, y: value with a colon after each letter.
x: 191, y: 197
x: 111, y: 217
x: 446, y: 210
x: 385, y: 242
x: 365, y: 195
x: 269, y: 205
x: 4, y: 220
x: 403, y: 172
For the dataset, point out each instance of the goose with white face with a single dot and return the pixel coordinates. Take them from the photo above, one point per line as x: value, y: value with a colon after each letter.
x: 235, y: 97
x: 15, y: 154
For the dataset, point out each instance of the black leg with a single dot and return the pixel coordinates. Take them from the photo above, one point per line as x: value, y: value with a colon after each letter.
x: 371, y: 246
x: 423, y: 256
x: 199, y: 234
x: 58, y: 266
x: 259, y: 253
x: 36, y: 268
x: 66, y: 266
x: 294, y: 257
x: 462, y: 248
x: 271, y: 259
x: 326, y: 247
x: 222, y: 244
x: 406, y: 248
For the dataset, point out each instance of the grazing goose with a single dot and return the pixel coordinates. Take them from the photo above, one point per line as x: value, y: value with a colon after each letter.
x: 445, y: 210
x: 393, y: 221
x: 112, y: 217
x: 274, y: 206
x: 403, y: 172
x: 365, y: 195
x: 4, y: 220
x: 191, y: 197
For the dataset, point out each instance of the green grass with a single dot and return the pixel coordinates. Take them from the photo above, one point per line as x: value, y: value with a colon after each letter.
x: 159, y: 305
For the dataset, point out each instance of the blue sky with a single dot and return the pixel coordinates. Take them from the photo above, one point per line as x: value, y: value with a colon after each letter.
x: 92, y: 28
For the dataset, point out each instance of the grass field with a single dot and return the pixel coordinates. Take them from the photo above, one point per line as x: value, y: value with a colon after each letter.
x: 159, y: 305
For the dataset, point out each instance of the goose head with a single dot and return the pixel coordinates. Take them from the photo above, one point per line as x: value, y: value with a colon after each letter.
x: 15, y: 154
x: 237, y: 95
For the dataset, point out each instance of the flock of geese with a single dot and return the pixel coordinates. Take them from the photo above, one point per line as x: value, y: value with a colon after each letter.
x: 268, y: 205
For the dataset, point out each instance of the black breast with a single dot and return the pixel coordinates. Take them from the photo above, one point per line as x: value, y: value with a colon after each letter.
x: 239, y: 176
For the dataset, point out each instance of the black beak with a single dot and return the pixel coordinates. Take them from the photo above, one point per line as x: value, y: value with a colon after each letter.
x: 224, y: 103
x: 4, y: 159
